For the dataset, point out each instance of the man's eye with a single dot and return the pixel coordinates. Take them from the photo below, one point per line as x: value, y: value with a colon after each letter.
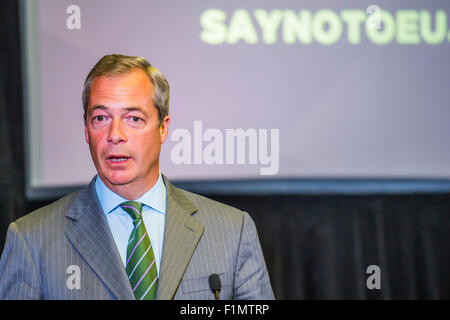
x: 136, y: 119
x: 99, y: 118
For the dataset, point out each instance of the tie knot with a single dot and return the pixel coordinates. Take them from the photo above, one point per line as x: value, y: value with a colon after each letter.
x: 133, y: 208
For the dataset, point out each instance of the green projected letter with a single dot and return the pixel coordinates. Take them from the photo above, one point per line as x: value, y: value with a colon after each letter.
x: 269, y: 24
x: 440, y: 30
x: 297, y: 26
x: 241, y: 27
x: 407, y: 27
x: 330, y: 18
x: 353, y: 18
x: 214, y: 30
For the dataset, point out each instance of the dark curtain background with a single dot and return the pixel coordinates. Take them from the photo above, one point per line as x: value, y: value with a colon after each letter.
x: 316, y: 247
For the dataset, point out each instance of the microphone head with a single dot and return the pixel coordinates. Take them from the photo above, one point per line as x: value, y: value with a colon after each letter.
x: 214, y: 282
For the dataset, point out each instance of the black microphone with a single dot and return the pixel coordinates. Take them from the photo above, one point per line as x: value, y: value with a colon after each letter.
x: 215, y: 285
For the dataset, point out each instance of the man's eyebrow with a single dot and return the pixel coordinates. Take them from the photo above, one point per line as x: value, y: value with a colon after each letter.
x: 129, y: 109
x: 100, y: 106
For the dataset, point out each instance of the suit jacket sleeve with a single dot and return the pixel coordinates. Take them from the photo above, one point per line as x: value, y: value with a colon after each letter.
x: 18, y: 274
x: 252, y: 279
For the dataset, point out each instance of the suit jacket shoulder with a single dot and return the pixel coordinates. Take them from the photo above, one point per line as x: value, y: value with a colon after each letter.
x: 213, y: 209
x: 47, y: 215
x: 64, y: 250
x: 229, y: 246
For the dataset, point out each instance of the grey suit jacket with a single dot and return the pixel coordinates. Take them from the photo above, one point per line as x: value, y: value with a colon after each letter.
x: 66, y: 251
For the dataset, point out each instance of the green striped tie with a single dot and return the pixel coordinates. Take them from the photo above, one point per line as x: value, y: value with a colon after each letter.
x: 140, y: 265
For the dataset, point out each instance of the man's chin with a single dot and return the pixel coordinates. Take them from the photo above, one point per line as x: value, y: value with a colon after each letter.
x: 117, y: 180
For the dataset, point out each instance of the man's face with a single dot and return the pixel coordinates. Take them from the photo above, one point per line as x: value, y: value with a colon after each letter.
x: 123, y: 132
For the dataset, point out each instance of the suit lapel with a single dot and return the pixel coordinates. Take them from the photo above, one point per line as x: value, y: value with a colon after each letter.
x: 89, y: 233
x: 181, y: 236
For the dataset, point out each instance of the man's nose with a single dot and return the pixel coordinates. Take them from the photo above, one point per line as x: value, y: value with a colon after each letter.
x: 116, y: 132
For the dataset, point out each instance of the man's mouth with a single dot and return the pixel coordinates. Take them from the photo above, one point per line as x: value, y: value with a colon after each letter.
x: 118, y: 159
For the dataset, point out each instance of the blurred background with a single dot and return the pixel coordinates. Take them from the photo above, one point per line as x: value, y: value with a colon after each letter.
x: 327, y: 121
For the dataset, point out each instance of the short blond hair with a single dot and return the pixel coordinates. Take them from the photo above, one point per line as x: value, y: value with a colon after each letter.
x: 118, y: 64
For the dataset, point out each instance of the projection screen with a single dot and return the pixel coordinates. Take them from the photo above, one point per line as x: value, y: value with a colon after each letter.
x: 266, y: 96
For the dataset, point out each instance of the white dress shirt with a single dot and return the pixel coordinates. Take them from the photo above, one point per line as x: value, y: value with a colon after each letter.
x: 121, y: 224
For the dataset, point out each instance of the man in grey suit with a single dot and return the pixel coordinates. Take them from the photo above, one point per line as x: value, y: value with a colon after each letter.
x: 131, y: 234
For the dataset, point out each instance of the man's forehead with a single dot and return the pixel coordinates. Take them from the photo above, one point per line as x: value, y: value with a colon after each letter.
x: 121, y: 86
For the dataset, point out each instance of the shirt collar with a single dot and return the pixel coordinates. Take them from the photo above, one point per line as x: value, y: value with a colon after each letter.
x: 154, y: 198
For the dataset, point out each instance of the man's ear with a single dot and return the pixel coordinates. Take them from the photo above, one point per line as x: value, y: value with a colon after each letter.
x: 164, y: 129
x: 86, y: 134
